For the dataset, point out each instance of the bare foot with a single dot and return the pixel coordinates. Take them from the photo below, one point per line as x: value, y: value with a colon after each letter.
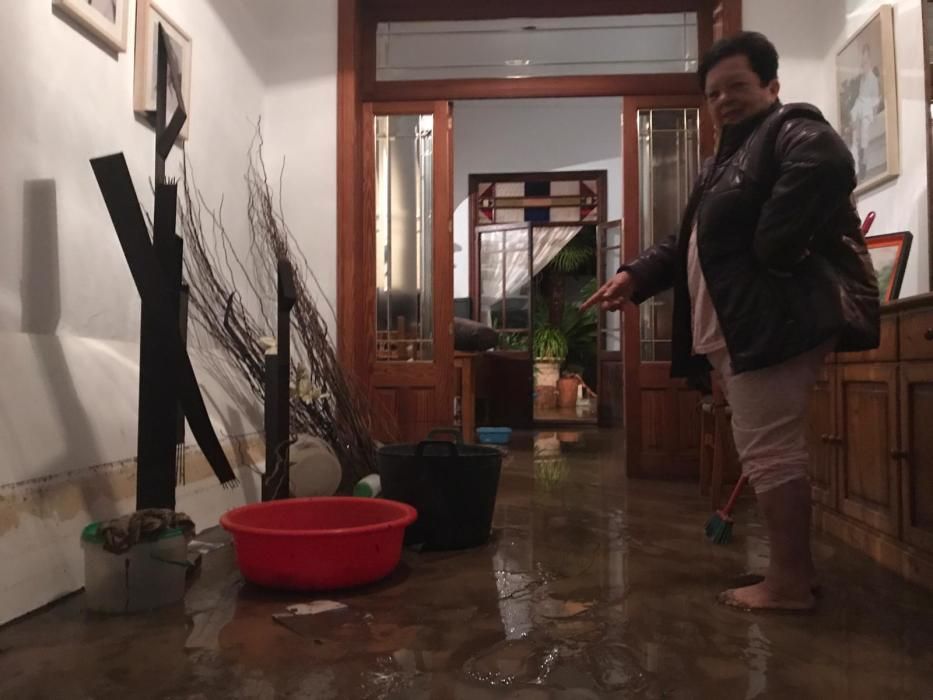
x: 816, y: 588
x: 762, y: 597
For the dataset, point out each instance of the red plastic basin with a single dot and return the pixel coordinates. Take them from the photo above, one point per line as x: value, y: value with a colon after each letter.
x: 318, y: 543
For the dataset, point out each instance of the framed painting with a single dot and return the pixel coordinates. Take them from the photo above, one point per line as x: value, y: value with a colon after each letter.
x: 149, y: 17
x: 106, y: 20
x: 866, y: 85
x: 889, y: 253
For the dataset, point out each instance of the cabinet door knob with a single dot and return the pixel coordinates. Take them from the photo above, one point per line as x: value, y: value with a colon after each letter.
x: 929, y: 334
x: 900, y: 454
x: 825, y: 438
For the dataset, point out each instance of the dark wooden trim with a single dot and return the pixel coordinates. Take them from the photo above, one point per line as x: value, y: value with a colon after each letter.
x: 444, y: 10
x: 631, y: 336
x: 443, y: 273
x: 907, y: 303
x: 556, y: 86
x: 540, y: 175
x: 349, y: 182
x: 926, y: 11
x: 472, y: 183
x: 403, y: 107
x: 367, y: 297
x: 368, y: 59
x: 602, y: 189
x: 705, y: 27
x: 727, y: 18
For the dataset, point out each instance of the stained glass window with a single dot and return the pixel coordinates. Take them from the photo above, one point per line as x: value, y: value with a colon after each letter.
x: 537, y: 201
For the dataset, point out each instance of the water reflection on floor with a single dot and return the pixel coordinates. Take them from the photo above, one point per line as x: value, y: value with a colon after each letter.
x: 591, y: 587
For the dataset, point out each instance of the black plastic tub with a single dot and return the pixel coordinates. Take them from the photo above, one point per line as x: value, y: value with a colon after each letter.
x: 452, y: 486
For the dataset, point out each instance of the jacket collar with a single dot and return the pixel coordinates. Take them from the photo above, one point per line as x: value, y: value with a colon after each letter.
x: 734, y: 135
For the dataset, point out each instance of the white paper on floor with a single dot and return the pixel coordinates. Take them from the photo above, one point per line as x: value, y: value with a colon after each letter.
x: 318, y: 606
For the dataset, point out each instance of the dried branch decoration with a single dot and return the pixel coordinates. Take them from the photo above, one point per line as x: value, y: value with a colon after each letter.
x: 219, y: 278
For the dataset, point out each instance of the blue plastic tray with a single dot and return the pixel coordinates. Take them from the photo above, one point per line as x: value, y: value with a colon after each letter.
x: 494, y: 436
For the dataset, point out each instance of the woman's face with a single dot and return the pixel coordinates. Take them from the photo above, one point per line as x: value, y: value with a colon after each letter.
x: 734, y: 91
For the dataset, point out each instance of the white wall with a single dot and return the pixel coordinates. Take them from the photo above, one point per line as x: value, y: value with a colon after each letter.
x: 902, y: 203
x: 808, y: 35
x: 803, y: 32
x: 69, y: 313
x: 300, y: 119
x: 499, y: 136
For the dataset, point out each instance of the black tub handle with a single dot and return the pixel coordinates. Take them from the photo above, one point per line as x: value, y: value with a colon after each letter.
x: 455, y: 432
x: 451, y: 447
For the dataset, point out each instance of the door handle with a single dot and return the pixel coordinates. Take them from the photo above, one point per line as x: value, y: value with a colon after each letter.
x: 929, y: 334
x: 825, y: 438
x: 900, y: 454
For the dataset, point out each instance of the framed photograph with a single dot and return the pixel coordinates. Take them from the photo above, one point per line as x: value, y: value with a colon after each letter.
x: 104, y: 19
x: 866, y: 84
x: 149, y: 17
x: 889, y: 253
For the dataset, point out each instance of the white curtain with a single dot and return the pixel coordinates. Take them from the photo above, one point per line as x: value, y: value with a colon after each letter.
x: 507, y: 251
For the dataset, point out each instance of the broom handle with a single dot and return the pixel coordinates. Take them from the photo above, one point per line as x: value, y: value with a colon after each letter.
x: 735, y: 494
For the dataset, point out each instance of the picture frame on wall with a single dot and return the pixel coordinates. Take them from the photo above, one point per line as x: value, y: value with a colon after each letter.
x: 889, y: 254
x: 106, y: 20
x: 149, y: 16
x: 866, y: 85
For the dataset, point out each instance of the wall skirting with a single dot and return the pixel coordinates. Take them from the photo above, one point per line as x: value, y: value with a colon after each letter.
x: 41, y: 519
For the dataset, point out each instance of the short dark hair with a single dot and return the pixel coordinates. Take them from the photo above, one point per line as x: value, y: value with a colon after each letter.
x: 760, y: 52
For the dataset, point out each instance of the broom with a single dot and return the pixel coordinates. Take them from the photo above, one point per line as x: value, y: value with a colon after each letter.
x: 719, y: 526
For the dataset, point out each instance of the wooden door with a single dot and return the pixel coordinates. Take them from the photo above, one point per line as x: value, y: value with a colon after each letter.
x: 406, y: 281
x: 866, y: 402
x: 662, y: 143
x: 822, y: 431
x: 609, y: 340
x: 916, y: 453
x: 503, y: 300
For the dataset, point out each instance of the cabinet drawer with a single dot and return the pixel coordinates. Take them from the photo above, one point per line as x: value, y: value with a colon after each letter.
x: 885, y: 352
x: 916, y: 335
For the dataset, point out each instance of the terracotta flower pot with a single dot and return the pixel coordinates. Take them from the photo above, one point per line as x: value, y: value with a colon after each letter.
x: 567, y: 392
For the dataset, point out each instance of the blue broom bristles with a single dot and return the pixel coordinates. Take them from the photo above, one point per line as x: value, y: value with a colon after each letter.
x: 719, y: 528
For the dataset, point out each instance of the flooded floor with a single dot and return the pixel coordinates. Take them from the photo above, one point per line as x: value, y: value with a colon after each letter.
x: 591, y: 587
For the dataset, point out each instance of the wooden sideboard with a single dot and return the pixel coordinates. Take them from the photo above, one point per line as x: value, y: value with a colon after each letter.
x: 871, y: 435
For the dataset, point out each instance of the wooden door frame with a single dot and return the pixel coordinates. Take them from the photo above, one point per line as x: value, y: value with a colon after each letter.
x: 631, y: 247
x: 603, y: 355
x: 356, y: 66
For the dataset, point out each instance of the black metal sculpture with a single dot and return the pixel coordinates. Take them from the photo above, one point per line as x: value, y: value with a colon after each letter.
x: 166, y: 376
x: 275, y: 482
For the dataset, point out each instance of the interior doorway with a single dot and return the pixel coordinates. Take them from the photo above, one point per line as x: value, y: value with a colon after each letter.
x: 534, y: 257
